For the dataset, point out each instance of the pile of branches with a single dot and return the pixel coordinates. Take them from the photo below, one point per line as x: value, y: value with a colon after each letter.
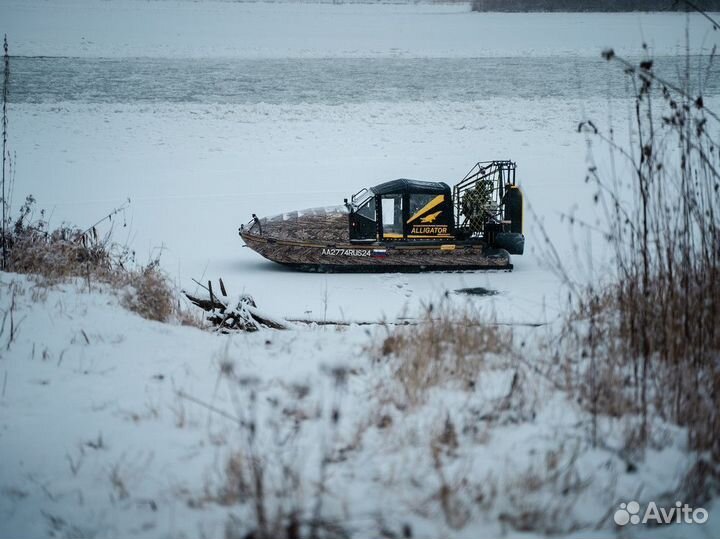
x: 233, y: 313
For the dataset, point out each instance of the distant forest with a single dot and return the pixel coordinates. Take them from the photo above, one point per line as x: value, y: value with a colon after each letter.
x: 593, y: 5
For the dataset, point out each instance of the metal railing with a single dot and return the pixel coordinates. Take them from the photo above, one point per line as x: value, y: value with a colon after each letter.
x: 499, y: 174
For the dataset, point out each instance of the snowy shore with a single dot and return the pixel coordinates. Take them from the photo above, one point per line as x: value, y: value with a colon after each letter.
x: 114, y: 426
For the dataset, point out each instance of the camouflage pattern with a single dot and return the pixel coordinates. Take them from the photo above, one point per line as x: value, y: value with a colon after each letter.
x: 319, y: 225
x: 317, y: 239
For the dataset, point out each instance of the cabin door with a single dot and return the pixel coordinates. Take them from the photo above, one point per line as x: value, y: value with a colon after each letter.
x: 363, y: 222
x: 392, y: 211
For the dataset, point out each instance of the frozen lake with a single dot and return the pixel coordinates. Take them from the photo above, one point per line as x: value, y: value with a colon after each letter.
x: 289, y: 106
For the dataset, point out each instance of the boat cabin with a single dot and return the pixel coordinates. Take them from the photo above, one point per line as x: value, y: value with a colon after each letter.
x: 401, y: 210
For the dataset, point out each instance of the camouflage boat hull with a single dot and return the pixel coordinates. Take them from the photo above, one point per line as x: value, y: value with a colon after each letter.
x: 317, y: 240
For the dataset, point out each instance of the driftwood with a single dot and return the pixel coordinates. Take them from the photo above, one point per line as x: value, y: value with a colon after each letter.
x: 238, y: 313
x: 405, y: 322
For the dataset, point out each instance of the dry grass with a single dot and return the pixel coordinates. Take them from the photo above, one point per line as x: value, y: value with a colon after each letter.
x: 68, y: 253
x: 446, y: 347
x: 272, y: 499
x: 541, y: 496
x: 149, y: 293
x: 648, y: 345
x: 268, y: 487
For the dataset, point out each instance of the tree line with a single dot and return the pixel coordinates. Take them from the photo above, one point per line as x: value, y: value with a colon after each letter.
x: 594, y: 5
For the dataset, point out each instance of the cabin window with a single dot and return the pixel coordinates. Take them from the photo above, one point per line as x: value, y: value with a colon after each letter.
x: 420, y: 205
x: 392, y: 216
x: 428, y: 216
x: 367, y: 210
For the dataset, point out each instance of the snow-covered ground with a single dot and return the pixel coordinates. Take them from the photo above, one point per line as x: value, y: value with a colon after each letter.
x: 113, y: 426
x: 95, y: 438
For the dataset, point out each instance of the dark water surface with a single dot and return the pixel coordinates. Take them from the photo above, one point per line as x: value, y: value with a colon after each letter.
x: 330, y: 81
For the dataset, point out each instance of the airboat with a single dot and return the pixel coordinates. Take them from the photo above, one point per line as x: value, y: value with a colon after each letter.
x: 403, y: 225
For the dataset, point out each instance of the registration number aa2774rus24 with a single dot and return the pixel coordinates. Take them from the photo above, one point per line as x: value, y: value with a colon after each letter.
x: 346, y: 252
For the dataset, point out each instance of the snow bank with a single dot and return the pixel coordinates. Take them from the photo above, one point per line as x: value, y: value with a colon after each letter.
x: 115, y: 426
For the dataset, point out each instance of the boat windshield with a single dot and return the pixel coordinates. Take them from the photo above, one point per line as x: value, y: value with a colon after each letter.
x: 361, y: 197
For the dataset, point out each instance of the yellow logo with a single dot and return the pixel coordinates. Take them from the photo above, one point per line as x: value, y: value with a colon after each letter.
x: 429, y: 230
x: 426, y: 208
x: 430, y: 218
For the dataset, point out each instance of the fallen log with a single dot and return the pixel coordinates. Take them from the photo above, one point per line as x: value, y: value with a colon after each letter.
x: 234, y: 314
x: 205, y: 304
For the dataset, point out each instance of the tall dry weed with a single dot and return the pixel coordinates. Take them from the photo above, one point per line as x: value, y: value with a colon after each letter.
x: 66, y: 253
x: 649, y: 342
x: 446, y: 346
